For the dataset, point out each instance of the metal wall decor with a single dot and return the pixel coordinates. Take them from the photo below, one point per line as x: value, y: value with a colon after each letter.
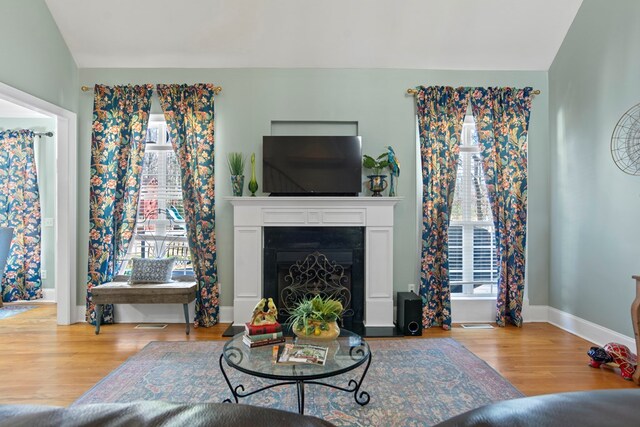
x: 315, y: 275
x: 625, y: 142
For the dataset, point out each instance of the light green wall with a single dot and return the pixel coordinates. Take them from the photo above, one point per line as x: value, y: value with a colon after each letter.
x: 595, y: 232
x: 376, y: 99
x: 34, y: 57
x: 45, y: 164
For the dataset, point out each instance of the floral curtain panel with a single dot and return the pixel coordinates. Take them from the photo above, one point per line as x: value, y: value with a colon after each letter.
x: 120, y: 118
x: 189, y: 112
x: 441, y: 112
x: 502, y: 121
x: 20, y: 209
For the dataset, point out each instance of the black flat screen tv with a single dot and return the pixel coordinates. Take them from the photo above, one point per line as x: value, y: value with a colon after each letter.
x: 312, y: 165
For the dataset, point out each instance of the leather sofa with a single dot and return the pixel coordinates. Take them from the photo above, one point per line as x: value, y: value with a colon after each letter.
x: 609, y: 408
x: 153, y: 414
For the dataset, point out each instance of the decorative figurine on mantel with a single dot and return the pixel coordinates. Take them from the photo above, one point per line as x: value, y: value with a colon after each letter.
x: 394, y: 168
x: 261, y: 317
x: 614, y: 355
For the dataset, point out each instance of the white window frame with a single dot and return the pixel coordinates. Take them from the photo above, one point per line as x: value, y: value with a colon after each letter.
x: 468, y: 282
x: 161, y: 146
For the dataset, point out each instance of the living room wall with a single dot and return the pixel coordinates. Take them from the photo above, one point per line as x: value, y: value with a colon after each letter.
x: 376, y: 99
x: 35, y: 58
x: 595, y: 230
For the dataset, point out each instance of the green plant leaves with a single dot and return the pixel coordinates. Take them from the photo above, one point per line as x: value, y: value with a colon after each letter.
x: 315, y: 309
x: 376, y: 164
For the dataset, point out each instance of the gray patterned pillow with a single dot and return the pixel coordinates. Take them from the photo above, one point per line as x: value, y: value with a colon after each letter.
x: 151, y: 270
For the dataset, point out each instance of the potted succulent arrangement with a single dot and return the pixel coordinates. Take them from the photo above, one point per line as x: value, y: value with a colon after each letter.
x: 377, y: 183
x: 316, y: 318
x: 236, y: 163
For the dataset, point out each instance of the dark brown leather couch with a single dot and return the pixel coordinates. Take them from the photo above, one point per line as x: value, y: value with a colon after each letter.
x: 602, y: 408
x: 607, y: 408
x: 153, y: 414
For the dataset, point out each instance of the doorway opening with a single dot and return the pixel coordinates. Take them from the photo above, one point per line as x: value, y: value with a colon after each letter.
x: 55, y: 158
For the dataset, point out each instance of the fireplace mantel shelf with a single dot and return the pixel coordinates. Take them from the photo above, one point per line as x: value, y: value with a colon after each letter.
x: 311, y: 200
x: 375, y: 214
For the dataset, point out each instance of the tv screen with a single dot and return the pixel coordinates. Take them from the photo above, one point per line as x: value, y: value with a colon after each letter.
x: 312, y: 165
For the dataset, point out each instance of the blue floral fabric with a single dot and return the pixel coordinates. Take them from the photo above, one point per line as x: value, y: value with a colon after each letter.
x: 120, y: 118
x: 441, y: 111
x: 20, y: 209
x: 502, y: 121
x: 189, y: 112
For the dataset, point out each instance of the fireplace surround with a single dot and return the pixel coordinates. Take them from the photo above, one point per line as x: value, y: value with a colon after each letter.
x: 373, y: 216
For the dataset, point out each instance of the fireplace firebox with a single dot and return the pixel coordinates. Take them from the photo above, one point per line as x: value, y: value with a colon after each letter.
x: 303, y: 262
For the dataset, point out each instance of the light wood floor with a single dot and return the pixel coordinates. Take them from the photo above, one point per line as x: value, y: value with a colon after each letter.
x: 42, y: 363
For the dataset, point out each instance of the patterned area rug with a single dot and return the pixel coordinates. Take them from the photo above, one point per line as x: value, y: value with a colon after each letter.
x: 12, y: 310
x: 411, y: 382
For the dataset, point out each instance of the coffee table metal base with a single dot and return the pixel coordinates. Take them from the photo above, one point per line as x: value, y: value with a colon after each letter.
x: 361, y: 397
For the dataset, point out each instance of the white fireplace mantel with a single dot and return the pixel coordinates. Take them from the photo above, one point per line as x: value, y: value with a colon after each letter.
x: 252, y: 214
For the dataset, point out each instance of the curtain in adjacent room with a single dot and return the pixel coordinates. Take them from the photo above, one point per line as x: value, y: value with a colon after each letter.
x: 502, y: 121
x: 441, y: 112
x: 120, y: 118
x: 189, y: 112
x: 20, y: 209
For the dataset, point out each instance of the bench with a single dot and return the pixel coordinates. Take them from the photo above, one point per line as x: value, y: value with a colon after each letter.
x: 120, y: 291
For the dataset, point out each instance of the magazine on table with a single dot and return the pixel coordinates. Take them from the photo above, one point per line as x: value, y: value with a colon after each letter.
x: 303, y: 353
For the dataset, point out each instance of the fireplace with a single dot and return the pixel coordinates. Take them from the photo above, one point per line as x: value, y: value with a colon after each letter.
x: 303, y: 262
x: 371, y: 258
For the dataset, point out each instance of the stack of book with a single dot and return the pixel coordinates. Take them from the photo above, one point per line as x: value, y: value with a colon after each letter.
x: 257, y: 335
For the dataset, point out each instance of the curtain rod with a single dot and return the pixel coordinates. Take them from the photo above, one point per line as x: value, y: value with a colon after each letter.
x: 415, y: 91
x: 216, y: 89
x: 49, y: 134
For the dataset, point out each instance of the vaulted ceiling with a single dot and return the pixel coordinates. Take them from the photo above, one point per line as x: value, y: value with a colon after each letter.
x: 415, y: 34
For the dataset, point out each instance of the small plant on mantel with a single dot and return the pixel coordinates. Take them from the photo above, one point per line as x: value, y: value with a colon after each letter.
x: 236, y: 163
x: 236, y: 169
x: 377, y: 165
x: 377, y: 182
x: 316, y: 318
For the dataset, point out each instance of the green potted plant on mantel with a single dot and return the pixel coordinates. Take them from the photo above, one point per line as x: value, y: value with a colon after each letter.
x: 316, y: 318
x: 377, y: 183
x: 236, y: 163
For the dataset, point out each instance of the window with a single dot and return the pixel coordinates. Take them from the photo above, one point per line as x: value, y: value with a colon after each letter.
x: 160, y: 228
x: 473, y: 267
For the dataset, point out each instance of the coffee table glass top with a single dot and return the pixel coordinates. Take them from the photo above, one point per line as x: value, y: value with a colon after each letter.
x: 345, y: 353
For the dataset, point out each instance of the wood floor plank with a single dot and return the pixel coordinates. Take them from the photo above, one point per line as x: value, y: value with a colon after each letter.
x: 43, y: 363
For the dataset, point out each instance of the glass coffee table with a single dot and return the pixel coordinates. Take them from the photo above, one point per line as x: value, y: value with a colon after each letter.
x: 346, y: 353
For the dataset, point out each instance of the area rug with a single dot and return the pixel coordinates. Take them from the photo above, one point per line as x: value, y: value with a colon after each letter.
x: 11, y: 310
x: 411, y: 382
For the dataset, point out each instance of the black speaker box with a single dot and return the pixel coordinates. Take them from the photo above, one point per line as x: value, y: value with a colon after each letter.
x: 409, y: 313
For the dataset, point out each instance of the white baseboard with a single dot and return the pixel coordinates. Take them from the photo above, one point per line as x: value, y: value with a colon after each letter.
x: 534, y: 313
x: 80, y: 314
x: 588, y: 330
x: 462, y: 310
x: 473, y: 310
x: 153, y: 313
x: 480, y: 310
x: 48, y: 295
x: 226, y: 314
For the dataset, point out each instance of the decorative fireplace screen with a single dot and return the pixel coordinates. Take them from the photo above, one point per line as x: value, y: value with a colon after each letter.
x: 315, y: 275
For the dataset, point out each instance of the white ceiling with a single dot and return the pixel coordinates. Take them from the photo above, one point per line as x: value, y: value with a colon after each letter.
x: 415, y: 34
x: 13, y: 111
